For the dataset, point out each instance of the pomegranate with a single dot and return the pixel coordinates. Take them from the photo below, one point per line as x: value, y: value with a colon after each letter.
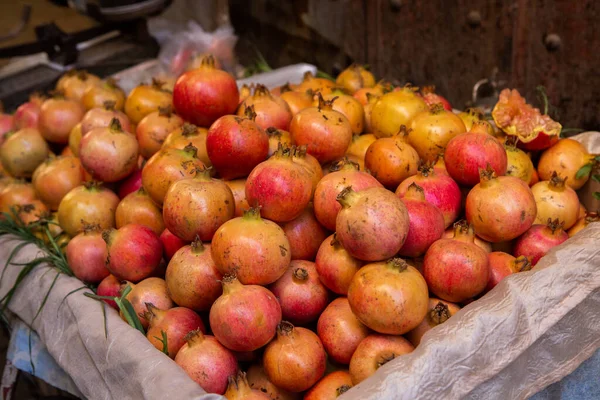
x: 138, y: 207
x: 300, y: 292
x: 166, y: 167
x: 22, y: 152
x: 394, y: 109
x: 102, y: 117
x: 188, y: 134
x: 277, y: 137
x: 335, y: 266
x: 89, y: 203
x: 54, y: 178
x: 131, y: 184
x: 389, y: 296
x: 502, y: 265
x: 372, y: 224
x: 271, y: 111
x: 238, y: 188
x: 310, y: 82
x: 519, y: 164
x: 75, y: 140
x: 245, y: 91
x: 347, y: 174
x: 57, y: 117
x: 439, y: 189
x: 254, y: 249
x: 362, y: 95
x: 582, y: 211
x: 207, y: 362
x: 154, y: 128
x: 110, y: 286
x: 467, y: 153
x: 145, y: 99
x: 456, y: 269
x: 554, y: 199
x: 500, y: 208
x: 7, y: 124
x: 479, y: 242
x: 432, y: 98
x: 240, y: 389
x: 174, y: 324
x: 374, y: 351
x: 360, y: 144
x: 197, y: 207
x: 97, y: 95
x: 150, y: 290
x: 244, y: 317
x: 16, y: 193
x: 340, y: 331
x: 355, y: 77
x: 438, y: 312
x: 279, y: 186
x: 326, y: 133
x: 236, y: 145
x: 391, y: 160
x: 86, y: 254
x: 28, y: 114
x: 296, y: 101
x: 171, y: 244
x: 566, y: 158
x: 134, y: 252
x: 426, y: 222
x: 190, y: 268
x: 259, y: 380
x: 305, y: 235
x: 584, y: 221
x: 75, y: 83
x: 330, y: 387
x: 295, y: 359
x: 471, y: 116
x: 348, y: 106
x: 368, y: 108
x: 311, y: 166
x: 539, y: 239
x: 31, y: 212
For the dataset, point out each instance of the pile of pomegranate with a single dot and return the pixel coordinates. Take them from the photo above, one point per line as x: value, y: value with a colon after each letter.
x: 288, y: 243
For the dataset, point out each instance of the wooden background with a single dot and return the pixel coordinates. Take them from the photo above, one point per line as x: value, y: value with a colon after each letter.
x: 449, y: 43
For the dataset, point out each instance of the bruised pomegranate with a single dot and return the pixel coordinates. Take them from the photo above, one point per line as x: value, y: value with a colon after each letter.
x: 539, y: 239
x: 438, y: 312
x: 57, y: 118
x: 171, y: 325
x: 154, y: 128
x: 279, y: 186
x: 340, y: 331
x: 207, y: 362
x: 372, y: 224
x: 566, y: 157
x: 554, y: 199
x: 335, y: 266
x: 150, y: 290
x: 190, y: 268
x: 197, y: 207
x: 254, y: 249
x: 259, y: 380
x: 166, y: 167
x: 55, y: 178
x: 102, y: 117
x: 238, y: 188
x: 502, y: 265
x: 187, y: 134
x: 110, y: 286
x: 305, y: 235
x: 389, y: 296
x: 584, y: 221
x: 236, y: 145
x: 295, y: 359
x: 456, y: 269
x: 22, y: 152
x: 469, y: 152
x: 374, y: 351
x: 426, y: 222
x: 138, y: 208
x: 271, y: 111
x: 244, y: 317
x: 500, y: 208
x: 16, y: 193
x: 326, y: 133
x: 330, y: 387
x: 86, y: 254
x: 346, y: 174
x: 240, y: 389
x: 439, y: 189
x: 134, y: 252
x: 300, y: 292
x: 109, y: 154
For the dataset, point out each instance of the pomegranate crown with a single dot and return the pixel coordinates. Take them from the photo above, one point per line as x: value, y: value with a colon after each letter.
x: 439, y: 314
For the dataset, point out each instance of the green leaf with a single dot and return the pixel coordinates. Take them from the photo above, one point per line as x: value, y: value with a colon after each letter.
x: 129, y: 314
x: 584, y: 171
x: 325, y: 75
x: 597, y: 195
x: 597, y: 158
x: 596, y: 178
x: 68, y: 294
x: 543, y: 97
x: 164, y: 342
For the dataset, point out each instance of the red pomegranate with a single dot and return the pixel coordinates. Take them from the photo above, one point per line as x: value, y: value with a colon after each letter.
x: 310, y: 164
x: 438, y: 312
x: 500, y: 208
x: 431, y: 98
x: 207, y: 362
x: 131, y: 184
x: 57, y: 117
x: 469, y: 152
x: 372, y: 224
x: 554, y: 199
x: 236, y: 145
x: 426, y: 222
x: 240, y: 389
x: 254, y: 249
x: 539, y: 239
x: 335, y: 266
x: 7, y: 124
x: 86, y: 254
x: 440, y: 190
x: 280, y: 187
x: 191, y: 268
x: 325, y: 200
x: 203, y: 95
x: 244, y: 317
x: 456, y: 269
x: 271, y: 111
x: 326, y: 133
x: 305, y: 235
x: 300, y: 292
x: 330, y: 387
x: 110, y: 286
x: 502, y: 265
x: 340, y: 331
x: 27, y: 115
x: 295, y: 359
x: 485, y: 245
x: 374, y: 351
